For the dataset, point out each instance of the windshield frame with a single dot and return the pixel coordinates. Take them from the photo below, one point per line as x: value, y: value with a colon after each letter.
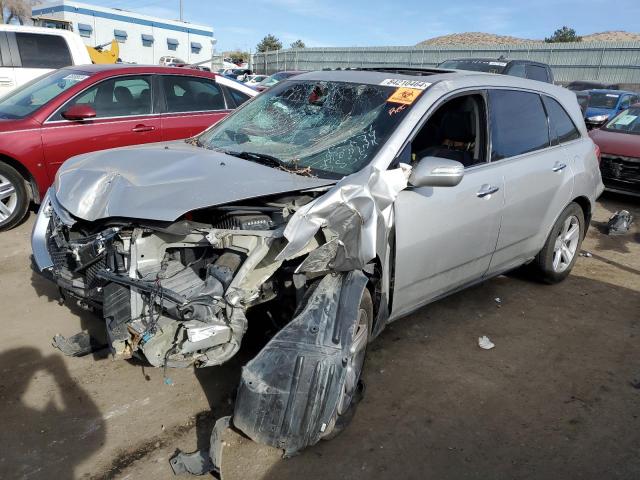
x: 29, y: 84
x: 282, y: 85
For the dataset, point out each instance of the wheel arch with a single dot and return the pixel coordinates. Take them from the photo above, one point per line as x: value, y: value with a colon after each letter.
x: 30, y: 182
x: 585, y: 204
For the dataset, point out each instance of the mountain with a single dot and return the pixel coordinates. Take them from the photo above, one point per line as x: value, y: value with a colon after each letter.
x: 481, y: 38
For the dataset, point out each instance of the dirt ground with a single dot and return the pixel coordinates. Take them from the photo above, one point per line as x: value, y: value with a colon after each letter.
x: 558, y: 397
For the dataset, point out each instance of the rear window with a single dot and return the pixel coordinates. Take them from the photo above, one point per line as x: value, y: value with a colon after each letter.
x: 536, y: 72
x: 561, y: 126
x: 518, y: 123
x: 43, y: 51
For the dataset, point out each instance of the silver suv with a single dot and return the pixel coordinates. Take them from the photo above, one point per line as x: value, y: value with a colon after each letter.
x: 328, y: 206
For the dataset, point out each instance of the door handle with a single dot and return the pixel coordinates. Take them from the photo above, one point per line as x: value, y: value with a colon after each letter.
x: 559, y: 167
x: 486, y: 190
x: 143, y: 128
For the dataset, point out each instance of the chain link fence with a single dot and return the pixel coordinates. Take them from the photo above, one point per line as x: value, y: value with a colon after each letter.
x: 608, y: 62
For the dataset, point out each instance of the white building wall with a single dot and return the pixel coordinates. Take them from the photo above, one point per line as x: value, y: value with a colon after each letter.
x: 103, y: 24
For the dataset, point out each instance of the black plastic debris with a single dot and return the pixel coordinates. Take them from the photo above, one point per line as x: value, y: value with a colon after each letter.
x: 619, y: 223
x: 77, y: 345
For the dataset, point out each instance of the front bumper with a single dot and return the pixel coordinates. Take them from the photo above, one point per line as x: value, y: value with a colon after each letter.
x: 621, y: 174
x: 41, y: 259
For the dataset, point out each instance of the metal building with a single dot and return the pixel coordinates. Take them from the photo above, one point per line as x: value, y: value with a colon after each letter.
x: 143, y: 39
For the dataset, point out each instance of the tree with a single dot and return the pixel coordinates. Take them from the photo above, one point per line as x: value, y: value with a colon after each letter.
x: 268, y: 43
x: 564, y: 34
x: 19, y: 10
x: 298, y: 44
x: 237, y: 56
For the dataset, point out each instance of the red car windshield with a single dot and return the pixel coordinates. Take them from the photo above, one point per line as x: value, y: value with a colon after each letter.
x: 627, y: 122
x: 28, y: 98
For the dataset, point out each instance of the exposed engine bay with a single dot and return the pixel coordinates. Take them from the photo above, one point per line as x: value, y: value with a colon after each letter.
x: 178, y: 292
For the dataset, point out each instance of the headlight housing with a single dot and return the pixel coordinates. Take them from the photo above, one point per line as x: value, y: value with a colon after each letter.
x: 598, y: 118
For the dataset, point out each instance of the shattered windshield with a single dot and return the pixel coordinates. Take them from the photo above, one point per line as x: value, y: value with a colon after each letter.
x: 328, y: 129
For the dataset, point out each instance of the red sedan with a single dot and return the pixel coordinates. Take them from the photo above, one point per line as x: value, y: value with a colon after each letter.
x: 619, y: 142
x: 86, y: 108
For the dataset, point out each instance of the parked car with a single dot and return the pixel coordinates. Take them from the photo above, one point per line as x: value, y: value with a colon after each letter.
x: 239, y: 74
x: 619, y: 143
x: 518, y: 68
x: 606, y: 104
x: 331, y: 204
x: 171, y: 61
x: 92, y: 107
x: 253, y: 80
x: 581, y: 85
x: 28, y: 52
x: 272, y: 80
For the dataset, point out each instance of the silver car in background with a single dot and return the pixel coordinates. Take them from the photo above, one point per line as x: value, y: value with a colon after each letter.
x: 330, y: 205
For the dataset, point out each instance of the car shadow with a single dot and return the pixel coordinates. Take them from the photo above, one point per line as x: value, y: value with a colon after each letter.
x: 51, y: 434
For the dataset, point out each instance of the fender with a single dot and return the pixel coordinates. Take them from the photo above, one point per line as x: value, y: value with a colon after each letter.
x: 289, y: 392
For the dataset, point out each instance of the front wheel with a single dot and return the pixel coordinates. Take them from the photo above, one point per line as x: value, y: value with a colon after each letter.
x: 14, y: 198
x: 556, y: 259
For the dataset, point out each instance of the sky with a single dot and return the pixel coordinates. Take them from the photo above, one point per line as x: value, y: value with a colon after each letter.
x: 240, y: 24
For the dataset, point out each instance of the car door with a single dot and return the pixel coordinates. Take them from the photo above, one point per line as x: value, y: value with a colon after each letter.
x: 190, y: 105
x: 537, y: 175
x: 7, y: 73
x: 124, y: 116
x: 445, y: 236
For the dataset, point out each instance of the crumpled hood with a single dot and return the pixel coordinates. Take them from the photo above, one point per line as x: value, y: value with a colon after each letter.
x: 165, y: 181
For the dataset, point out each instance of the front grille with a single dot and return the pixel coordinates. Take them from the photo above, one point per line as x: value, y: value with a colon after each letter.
x: 620, y: 172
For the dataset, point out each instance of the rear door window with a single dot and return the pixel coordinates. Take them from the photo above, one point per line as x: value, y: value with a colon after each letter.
x: 536, y: 72
x: 191, y: 94
x: 518, y: 123
x: 43, y: 51
x: 561, y: 127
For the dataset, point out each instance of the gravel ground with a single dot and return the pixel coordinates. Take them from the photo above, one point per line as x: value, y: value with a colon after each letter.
x: 558, y: 397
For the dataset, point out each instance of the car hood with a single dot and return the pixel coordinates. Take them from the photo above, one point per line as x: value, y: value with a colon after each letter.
x: 165, y: 181
x: 616, y: 143
x: 592, y: 112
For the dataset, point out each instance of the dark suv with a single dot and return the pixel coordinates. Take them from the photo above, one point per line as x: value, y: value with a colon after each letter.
x: 518, y: 68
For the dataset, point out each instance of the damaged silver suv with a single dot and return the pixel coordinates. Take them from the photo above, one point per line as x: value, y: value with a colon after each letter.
x: 330, y: 205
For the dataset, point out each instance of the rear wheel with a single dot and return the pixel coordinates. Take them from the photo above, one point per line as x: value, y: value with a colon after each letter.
x: 353, y: 388
x: 14, y: 198
x: 556, y: 259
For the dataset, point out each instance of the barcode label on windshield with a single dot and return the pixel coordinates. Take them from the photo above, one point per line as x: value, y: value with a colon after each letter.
x: 397, y: 82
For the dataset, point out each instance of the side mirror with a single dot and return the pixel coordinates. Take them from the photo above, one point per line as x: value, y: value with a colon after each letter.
x: 436, y: 172
x: 79, y: 112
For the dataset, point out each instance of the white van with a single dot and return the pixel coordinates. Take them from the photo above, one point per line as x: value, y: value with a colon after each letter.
x: 28, y: 52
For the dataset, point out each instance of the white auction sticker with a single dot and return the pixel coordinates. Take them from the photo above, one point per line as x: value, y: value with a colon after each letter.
x: 397, y: 82
x: 500, y: 64
x: 74, y: 77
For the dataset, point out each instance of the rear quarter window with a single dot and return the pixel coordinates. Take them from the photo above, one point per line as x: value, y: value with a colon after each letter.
x: 43, y: 51
x: 561, y: 127
x: 518, y: 123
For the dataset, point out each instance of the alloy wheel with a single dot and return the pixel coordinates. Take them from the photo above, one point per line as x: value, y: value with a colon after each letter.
x: 566, y: 244
x: 8, y: 198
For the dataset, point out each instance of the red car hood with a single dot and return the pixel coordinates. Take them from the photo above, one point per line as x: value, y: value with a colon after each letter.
x: 614, y: 143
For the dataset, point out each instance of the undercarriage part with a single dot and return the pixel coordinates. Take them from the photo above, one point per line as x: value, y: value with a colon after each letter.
x: 77, y: 345
x: 202, y: 461
x: 289, y: 393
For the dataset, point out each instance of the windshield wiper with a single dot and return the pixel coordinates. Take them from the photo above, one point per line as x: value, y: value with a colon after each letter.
x: 261, y: 158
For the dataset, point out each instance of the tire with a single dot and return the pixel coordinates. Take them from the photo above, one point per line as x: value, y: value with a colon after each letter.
x: 14, y: 197
x: 347, y: 405
x: 558, y: 256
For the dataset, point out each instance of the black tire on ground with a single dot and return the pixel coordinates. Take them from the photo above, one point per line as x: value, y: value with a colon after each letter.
x: 543, y: 265
x: 340, y: 421
x: 22, y: 201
